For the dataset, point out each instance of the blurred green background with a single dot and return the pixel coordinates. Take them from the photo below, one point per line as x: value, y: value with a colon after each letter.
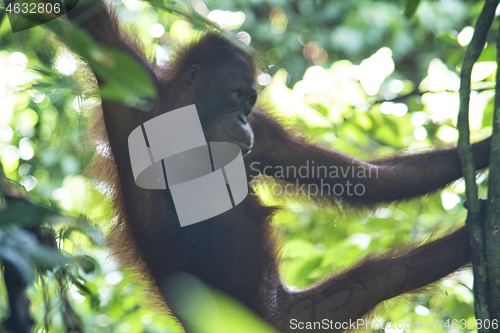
x: 368, y: 78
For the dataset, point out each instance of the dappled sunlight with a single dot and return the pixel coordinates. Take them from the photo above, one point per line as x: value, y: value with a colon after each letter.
x: 181, y: 30
x: 73, y: 196
x: 291, y: 102
x: 396, y: 94
x: 439, y: 78
x: 396, y: 109
x: 279, y: 21
x: 14, y: 76
x: 441, y: 106
x: 66, y: 63
x: 447, y: 133
x: 334, y: 88
x: 134, y: 5
x: 465, y: 35
x: 156, y: 30
x: 374, y: 70
x: 315, y: 52
x: 450, y: 200
x: 231, y: 20
x: 420, y: 133
x: 481, y: 70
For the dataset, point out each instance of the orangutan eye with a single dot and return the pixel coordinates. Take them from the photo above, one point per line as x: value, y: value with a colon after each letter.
x: 237, y: 95
x: 251, y: 101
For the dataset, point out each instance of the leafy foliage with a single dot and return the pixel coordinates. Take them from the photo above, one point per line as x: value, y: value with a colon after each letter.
x: 356, y: 76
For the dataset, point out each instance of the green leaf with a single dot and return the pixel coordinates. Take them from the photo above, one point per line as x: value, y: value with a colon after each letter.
x: 117, y: 68
x: 46, y: 257
x: 89, y: 290
x: 204, y: 310
x: 298, y: 248
x: 20, y: 243
x: 85, y: 228
x: 411, y: 7
x: 21, y: 263
x: 24, y: 215
x: 87, y: 263
x: 300, y: 269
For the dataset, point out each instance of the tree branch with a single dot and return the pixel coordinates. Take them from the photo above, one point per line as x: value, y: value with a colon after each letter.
x: 474, y: 219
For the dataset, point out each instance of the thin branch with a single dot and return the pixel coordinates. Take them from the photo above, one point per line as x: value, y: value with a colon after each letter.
x: 474, y: 219
x: 492, y: 223
x: 417, y: 92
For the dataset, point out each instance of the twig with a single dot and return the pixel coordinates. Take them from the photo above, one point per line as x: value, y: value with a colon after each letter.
x: 492, y: 223
x: 474, y: 219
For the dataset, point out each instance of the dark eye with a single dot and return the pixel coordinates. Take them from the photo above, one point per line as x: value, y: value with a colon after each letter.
x: 237, y: 95
x: 251, y: 101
